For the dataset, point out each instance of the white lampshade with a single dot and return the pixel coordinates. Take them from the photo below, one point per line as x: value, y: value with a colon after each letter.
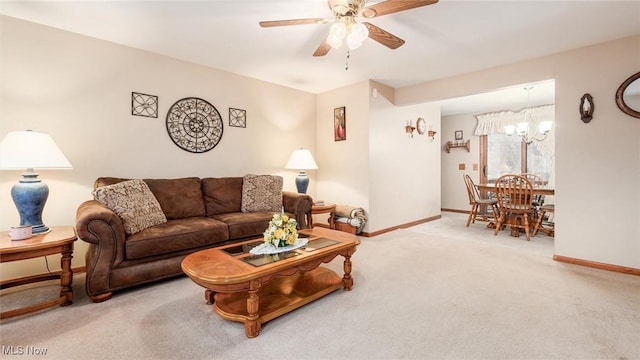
x: 28, y: 150
x: 301, y: 159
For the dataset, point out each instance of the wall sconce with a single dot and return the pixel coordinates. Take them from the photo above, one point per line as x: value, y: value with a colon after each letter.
x: 586, y: 108
x: 431, y: 134
x: 421, y: 126
x: 409, y: 128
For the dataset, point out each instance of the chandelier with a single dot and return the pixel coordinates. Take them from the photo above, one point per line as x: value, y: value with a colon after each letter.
x: 346, y: 28
x: 529, y: 129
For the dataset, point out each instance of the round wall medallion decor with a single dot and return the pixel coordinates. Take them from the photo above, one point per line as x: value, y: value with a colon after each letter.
x: 194, y: 125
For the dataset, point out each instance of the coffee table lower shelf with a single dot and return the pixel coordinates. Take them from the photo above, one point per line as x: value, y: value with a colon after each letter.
x: 277, y: 297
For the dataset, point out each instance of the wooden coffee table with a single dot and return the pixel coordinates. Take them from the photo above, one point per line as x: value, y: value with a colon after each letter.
x: 257, y: 288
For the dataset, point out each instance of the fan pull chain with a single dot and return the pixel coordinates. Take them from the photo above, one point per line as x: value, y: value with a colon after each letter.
x: 346, y: 66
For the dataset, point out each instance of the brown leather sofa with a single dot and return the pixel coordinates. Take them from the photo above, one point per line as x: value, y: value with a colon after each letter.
x: 201, y: 213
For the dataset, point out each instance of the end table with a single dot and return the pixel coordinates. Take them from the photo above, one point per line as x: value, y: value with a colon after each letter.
x: 58, y: 241
x: 323, y: 209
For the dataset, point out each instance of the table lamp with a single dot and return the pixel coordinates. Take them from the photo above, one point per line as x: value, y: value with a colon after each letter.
x: 29, y: 150
x: 302, y: 160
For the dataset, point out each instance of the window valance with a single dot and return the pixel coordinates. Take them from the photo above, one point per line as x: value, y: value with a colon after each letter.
x: 494, y: 122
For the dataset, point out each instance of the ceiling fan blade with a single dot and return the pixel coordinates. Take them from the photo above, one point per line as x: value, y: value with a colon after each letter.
x: 383, y: 37
x: 323, y: 49
x: 273, y: 23
x: 393, y: 6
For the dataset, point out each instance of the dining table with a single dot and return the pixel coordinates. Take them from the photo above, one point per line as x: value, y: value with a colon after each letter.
x: 491, y: 187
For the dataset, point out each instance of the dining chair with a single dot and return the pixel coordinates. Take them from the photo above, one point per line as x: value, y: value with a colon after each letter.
x: 475, y: 200
x: 545, y: 225
x: 515, y: 202
x: 538, y: 199
x: 535, y: 179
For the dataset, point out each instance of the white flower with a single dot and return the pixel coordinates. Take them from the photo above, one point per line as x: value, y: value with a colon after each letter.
x: 282, y: 231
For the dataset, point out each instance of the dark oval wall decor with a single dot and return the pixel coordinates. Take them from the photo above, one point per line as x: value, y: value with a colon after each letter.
x: 194, y: 125
x: 625, y: 90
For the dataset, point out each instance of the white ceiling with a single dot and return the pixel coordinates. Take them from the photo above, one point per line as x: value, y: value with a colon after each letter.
x: 449, y: 38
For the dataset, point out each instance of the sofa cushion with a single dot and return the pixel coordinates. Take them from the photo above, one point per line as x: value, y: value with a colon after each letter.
x: 244, y: 225
x: 175, y: 236
x: 104, y: 181
x: 179, y: 198
x: 261, y: 193
x: 222, y: 195
x: 133, y: 202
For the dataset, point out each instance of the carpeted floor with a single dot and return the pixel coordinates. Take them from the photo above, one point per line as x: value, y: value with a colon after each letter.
x: 434, y: 291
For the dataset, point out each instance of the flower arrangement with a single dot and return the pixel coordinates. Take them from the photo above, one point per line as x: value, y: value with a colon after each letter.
x: 281, y: 231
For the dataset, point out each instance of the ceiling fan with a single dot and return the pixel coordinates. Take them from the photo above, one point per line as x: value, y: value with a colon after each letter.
x: 347, y: 29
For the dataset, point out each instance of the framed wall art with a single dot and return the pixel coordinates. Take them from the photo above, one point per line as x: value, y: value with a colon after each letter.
x: 237, y: 118
x: 458, y: 135
x: 194, y: 125
x: 144, y: 105
x: 339, y: 124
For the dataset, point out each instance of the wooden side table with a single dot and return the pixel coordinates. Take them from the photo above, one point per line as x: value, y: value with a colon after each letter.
x: 323, y: 209
x: 58, y: 241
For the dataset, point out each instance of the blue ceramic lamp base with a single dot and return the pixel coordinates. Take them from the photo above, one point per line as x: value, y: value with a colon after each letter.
x: 302, y: 182
x: 30, y: 196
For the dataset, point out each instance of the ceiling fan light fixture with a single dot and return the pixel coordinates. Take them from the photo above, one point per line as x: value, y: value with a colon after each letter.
x: 356, y: 36
x: 352, y: 44
x: 358, y: 33
x: 346, y: 7
x: 337, y: 33
x: 346, y: 13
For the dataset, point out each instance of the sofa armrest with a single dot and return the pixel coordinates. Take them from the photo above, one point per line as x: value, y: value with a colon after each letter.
x: 299, y: 205
x: 96, y: 223
x: 103, y: 230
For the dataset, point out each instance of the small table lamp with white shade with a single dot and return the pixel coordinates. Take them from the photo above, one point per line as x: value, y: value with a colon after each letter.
x: 301, y: 159
x: 29, y: 150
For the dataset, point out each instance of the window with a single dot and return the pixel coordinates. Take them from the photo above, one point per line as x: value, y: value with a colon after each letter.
x: 502, y: 154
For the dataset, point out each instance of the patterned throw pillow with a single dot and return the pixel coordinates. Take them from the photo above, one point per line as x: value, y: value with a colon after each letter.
x: 133, y: 202
x: 261, y: 193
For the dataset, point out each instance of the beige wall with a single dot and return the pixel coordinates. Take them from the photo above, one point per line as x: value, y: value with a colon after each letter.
x: 404, y: 174
x: 343, y: 165
x: 78, y: 90
x: 597, y: 164
x: 395, y: 178
x: 454, y: 195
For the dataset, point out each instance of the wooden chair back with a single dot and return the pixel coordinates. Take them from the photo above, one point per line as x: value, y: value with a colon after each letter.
x: 514, y: 193
x: 534, y: 179
x: 472, y: 190
x: 515, y: 201
x: 537, y: 182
